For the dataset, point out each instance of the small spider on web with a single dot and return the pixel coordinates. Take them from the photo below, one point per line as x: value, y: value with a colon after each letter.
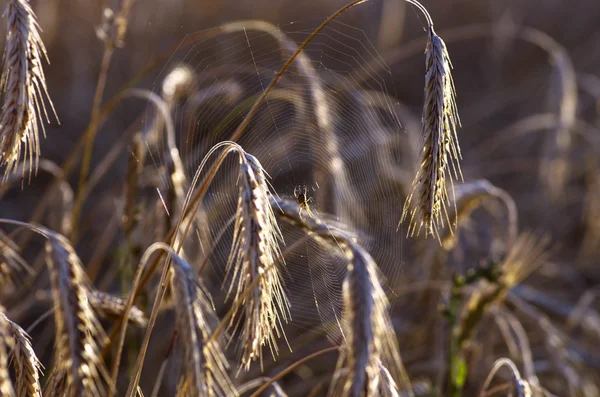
x: 303, y: 199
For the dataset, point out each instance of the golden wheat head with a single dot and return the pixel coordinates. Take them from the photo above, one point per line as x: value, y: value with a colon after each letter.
x: 426, y: 205
x: 24, y: 86
x: 255, y: 253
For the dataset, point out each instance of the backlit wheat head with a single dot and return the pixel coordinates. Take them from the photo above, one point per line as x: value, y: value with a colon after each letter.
x: 255, y: 253
x: 24, y: 87
x: 426, y: 205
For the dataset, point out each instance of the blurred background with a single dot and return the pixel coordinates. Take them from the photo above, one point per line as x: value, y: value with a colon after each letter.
x: 527, y: 79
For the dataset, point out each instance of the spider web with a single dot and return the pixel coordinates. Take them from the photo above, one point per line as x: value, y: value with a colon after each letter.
x: 320, y: 127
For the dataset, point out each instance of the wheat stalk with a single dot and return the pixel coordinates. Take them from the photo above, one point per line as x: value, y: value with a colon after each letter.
x: 255, y: 250
x: 26, y: 364
x: 24, y: 86
x: 440, y: 143
x: 77, y: 328
x: 205, y: 366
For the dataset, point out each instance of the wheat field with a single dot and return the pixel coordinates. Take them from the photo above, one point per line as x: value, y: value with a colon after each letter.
x: 323, y: 198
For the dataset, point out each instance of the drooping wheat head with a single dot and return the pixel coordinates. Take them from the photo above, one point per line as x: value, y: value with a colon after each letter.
x: 426, y: 205
x: 24, y: 86
x: 78, y: 330
x: 370, y: 343
x: 255, y: 253
x: 371, y: 349
x: 205, y: 366
x: 26, y: 364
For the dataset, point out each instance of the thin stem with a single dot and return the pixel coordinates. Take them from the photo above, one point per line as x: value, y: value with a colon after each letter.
x: 292, y: 367
x: 89, y: 138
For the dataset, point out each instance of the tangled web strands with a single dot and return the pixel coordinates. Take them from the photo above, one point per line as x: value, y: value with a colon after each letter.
x: 286, y: 137
x: 426, y: 206
x: 24, y: 87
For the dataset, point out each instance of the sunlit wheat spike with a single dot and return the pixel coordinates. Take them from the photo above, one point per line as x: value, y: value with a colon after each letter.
x: 371, y: 346
x: 205, y: 366
x: 24, y: 86
x: 426, y: 205
x: 109, y: 305
x: 26, y: 364
x: 6, y: 344
x: 78, y: 330
x: 255, y: 253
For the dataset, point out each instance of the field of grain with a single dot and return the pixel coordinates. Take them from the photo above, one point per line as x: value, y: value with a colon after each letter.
x: 312, y: 198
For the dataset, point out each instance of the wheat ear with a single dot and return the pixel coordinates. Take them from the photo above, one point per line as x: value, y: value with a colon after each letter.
x: 26, y: 364
x: 6, y: 343
x: 426, y: 205
x: 255, y: 253
x: 24, y: 86
x: 77, y: 358
x: 205, y: 366
x: 370, y: 340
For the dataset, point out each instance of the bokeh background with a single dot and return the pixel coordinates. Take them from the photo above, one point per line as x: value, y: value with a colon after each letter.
x: 510, y: 94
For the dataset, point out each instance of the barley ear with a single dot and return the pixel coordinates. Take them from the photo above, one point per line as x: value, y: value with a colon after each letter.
x: 426, y: 205
x: 205, y: 365
x: 24, y: 86
x: 255, y: 253
x: 26, y: 364
x: 79, y: 368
